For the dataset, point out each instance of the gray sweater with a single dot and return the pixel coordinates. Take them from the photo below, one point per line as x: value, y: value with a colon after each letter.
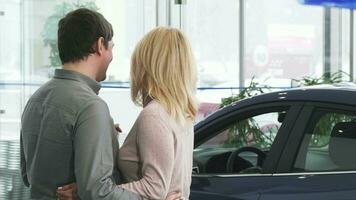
x: 67, y: 135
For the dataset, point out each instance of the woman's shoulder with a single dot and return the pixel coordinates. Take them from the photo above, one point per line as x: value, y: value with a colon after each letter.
x: 154, y: 112
x: 157, y: 113
x: 154, y: 108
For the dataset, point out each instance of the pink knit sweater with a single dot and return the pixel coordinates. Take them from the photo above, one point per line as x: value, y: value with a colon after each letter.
x: 156, y: 157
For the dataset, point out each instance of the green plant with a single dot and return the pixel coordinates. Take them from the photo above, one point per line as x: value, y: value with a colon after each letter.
x: 238, y: 134
x: 327, y: 122
x: 326, y: 78
x: 322, y: 130
x: 49, y: 32
x: 253, y: 89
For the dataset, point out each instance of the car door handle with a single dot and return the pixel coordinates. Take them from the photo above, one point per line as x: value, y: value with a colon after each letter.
x: 2, y: 111
x: 304, y: 176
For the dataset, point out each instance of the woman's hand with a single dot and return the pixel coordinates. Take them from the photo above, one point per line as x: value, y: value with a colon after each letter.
x: 175, y: 196
x: 117, y: 128
x: 68, y: 192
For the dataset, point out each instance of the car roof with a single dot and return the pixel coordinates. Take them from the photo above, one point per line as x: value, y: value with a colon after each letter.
x: 337, y: 93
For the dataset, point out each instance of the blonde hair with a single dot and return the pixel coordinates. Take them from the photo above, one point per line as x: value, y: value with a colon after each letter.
x: 162, y: 69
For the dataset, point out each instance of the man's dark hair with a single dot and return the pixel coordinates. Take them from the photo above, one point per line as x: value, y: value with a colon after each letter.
x: 78, y: 31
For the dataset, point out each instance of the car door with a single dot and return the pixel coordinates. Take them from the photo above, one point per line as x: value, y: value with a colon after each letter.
x: 320, y: 161
x: 221, y: 173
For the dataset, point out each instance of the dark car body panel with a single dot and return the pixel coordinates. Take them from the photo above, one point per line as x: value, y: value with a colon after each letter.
x: 311, y: 187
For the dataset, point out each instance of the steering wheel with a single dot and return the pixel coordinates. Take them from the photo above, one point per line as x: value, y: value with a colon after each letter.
x: 235, y: 155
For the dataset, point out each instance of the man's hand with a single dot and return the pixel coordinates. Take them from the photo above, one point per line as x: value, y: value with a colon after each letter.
x: 175, y: 196
x: 68, y: 192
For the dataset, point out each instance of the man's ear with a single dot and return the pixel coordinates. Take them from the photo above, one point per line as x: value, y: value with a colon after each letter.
x: 100, y: 47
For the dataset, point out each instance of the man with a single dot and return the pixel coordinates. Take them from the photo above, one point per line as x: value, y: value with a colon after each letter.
x: 67, y: 134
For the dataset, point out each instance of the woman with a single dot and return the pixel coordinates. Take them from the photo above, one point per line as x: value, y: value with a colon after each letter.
x: 156, y: 157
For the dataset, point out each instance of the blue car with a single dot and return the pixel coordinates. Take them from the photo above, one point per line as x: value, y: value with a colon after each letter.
x: 297, y: 144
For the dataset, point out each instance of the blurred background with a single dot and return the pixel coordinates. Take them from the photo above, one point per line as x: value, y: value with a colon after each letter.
x: 270, y: 42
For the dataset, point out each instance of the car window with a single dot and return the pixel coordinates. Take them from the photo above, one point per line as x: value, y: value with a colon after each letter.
x: 329, y: 143
x: 240, y: 147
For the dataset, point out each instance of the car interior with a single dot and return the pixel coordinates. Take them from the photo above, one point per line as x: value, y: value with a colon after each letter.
x: 227, y: 161
x: 328, y: 148
x: 327, y: 145
x: 239, y: 149
x: 336, y: 155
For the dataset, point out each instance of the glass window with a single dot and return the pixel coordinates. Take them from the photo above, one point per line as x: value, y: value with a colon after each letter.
x: 213, y: 30
x: 241, y: 147
x: 281, y: 35
x: 10, y: 41
x: 40, y: 33
x: 29, y: 55
x: 328, y: 143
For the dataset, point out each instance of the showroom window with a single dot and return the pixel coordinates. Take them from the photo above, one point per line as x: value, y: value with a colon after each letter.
x: 28, y: 58
x: 40, y: 33
x: 29, y: 55
x: 281, y: 36
x: 233, y: 41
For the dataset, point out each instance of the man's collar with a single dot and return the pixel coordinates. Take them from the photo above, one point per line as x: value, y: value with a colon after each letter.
x: 73, y: 75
